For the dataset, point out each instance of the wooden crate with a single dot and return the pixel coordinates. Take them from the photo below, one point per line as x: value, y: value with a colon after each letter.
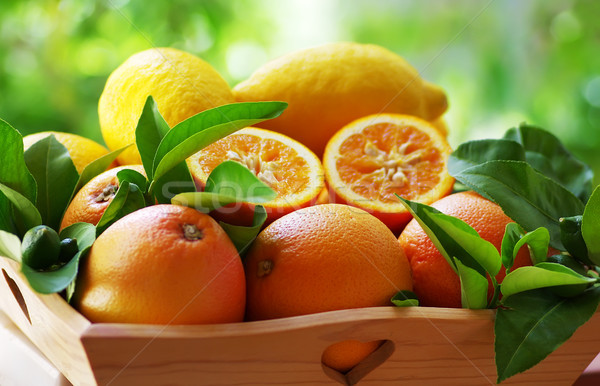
x: 423, y: 346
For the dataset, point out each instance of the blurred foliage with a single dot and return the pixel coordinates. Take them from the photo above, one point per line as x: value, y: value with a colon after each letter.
x: 501, y: 62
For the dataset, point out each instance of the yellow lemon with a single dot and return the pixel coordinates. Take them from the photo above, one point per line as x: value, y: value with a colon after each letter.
x: 181, y: 83
x: 331, y: 85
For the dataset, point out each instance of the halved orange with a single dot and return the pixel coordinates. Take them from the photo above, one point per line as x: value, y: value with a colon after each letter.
x: 373, y: 158
x: 284, y: 164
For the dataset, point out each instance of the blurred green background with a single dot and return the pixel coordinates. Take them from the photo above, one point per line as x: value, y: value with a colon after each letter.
x: 501, y: 62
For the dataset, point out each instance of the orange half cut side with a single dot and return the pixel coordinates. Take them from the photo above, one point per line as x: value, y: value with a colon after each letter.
x: 373, y: 158
x: 284, y: 164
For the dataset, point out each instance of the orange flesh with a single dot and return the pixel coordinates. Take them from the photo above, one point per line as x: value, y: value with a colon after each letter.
x: 385, y: 159
x: 273, y: 162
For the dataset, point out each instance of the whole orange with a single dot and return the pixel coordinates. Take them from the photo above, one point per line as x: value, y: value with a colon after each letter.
x: 323, y: 258
x: 163, y: 264
x: 435, y: 282
x: 93, y: 198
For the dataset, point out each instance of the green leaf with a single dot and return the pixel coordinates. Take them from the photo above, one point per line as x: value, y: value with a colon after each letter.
x: 538, y: 241
x: 175, y: 181
x: 13, y: 171
x: 241, y: 236
x: 48, y: 282
x: 228, y: 183
x: 541, y: 275
x: 457, y: 241
x: 590, y: 227
x: 10, y: 246
x: 525, y: 195
x: 128, y: 199
x: 547, y: 154
x: 568, y: 261
x: 512, y: 235
x: 515, y: 238
x: 233, y: 179
x: 133, y: 177
x: 572, y: 238
x: 473, y: 287
x: 6, y: 215
x: 150, y: 130
x: 202, y: 129
x: 534, y: 324
x: 85, y: 234
x: 476, y: 152
x: 26, y: 214
x: 203, y: 201
x: 96, y: 167
x: 405, y: 299
x: 56, y: 176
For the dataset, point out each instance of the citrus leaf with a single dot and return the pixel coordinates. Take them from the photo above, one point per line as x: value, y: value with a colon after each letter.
x: 206, y: 127
x: 48, y: 282
x: 568, y: 261
x: 203, y: 201
x: 6, y: 215
x: 175, y: 181
x: 133, y: 177
x: 572, y: 238
x: 85, y: 234
x: 27, y: 215
x: 541, y: 275
x: 590, y: 227
x: 13, y: 171
x: 534, y: 324
x: 405, y: 299
x: 233, y: 179
x: 546, y: 153
x: 525, y: 195
x: 512, y: 235
x: 457, y: 241
x: 473, y: 287
x: 128, y: 199
x: 56, y: 176
x: 10, y: 246
x: 150, y: 130
x: 476, y: 152
x: 538, y: 241
x: 96, y: 167
x: 515, y: 238
x: 241, y: 236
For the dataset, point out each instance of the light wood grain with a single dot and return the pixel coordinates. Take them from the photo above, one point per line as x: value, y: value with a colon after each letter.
x: 424, y: 346
x: 53, y: 326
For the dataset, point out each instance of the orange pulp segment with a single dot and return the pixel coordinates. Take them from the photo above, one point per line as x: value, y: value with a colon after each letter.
x: 374, y: 158
x: 284, y: 164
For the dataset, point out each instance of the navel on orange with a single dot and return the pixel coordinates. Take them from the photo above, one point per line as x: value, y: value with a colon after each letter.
x: 287, y: 166
x: 163, y: 264
x: 373, y: 158
x: 93, y: 198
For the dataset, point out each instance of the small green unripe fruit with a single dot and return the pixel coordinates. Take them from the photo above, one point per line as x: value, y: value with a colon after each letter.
x: 40, y: 247
x: 68, y: 249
